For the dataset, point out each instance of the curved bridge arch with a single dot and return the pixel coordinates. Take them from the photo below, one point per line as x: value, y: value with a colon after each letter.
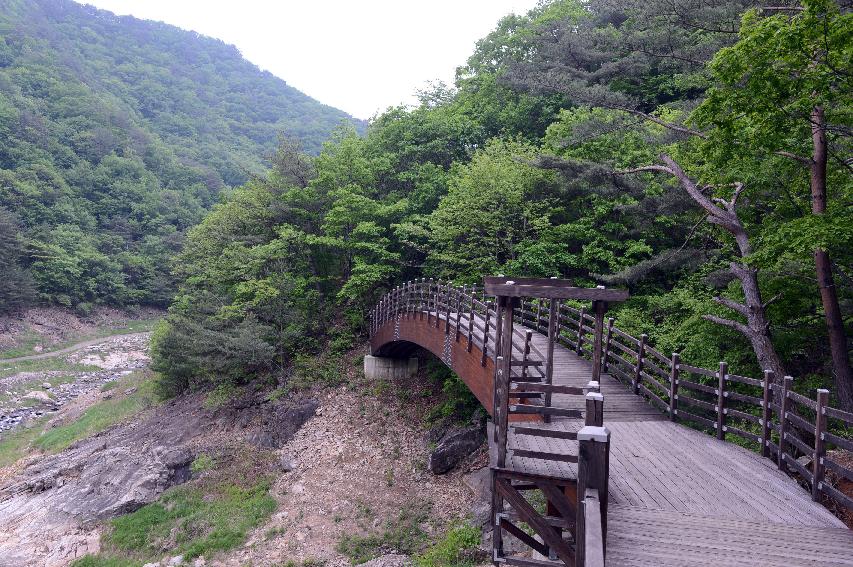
x: 401, y: 335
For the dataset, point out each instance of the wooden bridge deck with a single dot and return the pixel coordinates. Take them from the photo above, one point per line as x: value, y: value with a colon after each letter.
x: 678, y: 497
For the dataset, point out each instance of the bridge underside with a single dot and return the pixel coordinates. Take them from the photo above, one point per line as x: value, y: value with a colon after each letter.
x: 400, y: 337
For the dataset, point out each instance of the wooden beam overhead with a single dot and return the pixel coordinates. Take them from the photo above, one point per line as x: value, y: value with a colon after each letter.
x: 550, y: 289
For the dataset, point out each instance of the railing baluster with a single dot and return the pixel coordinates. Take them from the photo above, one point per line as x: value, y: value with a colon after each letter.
x: 485, y: 337
x: 525, y: 356
x: 459, y: 294
x: 641, y: 354
x: 471, y: 315
x: 579, y: 342
x: 447, y: 292
x: 673, y: 386
x: 721, y: 400
x: 610, y: 321
x: 765, y: 413
x: 783, y: 420
x: 819, y: 443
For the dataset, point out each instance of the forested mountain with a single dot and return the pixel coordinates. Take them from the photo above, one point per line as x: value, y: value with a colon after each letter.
x: 695, y: 152
x: 116, y: 134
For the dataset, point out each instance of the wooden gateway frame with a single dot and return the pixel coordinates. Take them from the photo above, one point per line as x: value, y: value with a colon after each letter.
x: 576, y: 504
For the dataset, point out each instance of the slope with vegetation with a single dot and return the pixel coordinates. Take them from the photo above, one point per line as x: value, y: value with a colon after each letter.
x: 693, y: 152
x: 118, y: 134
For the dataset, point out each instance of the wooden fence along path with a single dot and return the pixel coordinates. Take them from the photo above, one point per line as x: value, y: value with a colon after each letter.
x: 589, y: 416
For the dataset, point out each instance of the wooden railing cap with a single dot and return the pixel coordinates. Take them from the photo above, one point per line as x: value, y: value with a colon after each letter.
x: 593, y: 433
x: 595, y: 396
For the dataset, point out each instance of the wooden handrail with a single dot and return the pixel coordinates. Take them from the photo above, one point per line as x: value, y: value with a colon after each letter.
x: 593, y: 534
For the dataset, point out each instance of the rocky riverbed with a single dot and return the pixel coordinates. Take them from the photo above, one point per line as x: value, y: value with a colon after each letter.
x: 31, y: 394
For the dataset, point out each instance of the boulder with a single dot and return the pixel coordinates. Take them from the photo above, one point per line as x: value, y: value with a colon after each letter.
x: 454, y: 446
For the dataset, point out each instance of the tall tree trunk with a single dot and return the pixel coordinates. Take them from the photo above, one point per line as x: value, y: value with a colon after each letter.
x: 841, y: 370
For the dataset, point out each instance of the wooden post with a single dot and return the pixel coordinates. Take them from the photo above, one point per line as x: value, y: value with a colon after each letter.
x: 819, y: 443
x: 485, y: 337
x: 593, y: 472
x: 497, y: 509
x: 721, y: 400
x: 471, y: 314
x: 766, y: 413
x: 579, y: 342
x: 599, y: 307
x: 498, y: 340
x: 505, y: 329
x: 673, y: 386
x: 447, y: 294
x: 594, y: 409
x: 501, y: 400
x: 610, y: 321
x: 549, y: 361
x: 641, y: 355
x: 429, y: 302
x: 785, y: 404
x: 538, y: 314
x: 528, y: 336
x: 460, y: 294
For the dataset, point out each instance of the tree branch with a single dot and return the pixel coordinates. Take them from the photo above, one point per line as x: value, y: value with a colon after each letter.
x: 733, y: 305
x: 664, y: 123
x: 772, y: 300
x: 737, y: 326
x: 794, y: 157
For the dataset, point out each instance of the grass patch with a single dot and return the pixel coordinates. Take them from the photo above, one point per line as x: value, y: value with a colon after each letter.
x: 30, y: 339
x: 99, y: 417
x: 203, y: 462
x: 458, y: 548
x: 195, y: 519
x: 103, y: 414
x: 43, y: 365
x: 17, y: 443
x: 92, y: 561
x: 405, y: 534
x: 221, y: 395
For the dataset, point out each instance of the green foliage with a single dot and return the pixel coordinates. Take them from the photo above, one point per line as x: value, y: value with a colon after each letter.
x: 459, y: 404
x: 118, y: 134
x: 191, y: 520
x: 513, y: 170
x: 93, y: 561
x: 458, y: 548
x: 404, y: 534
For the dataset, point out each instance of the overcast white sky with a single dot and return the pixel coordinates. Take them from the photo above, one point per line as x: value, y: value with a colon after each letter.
x: 359, y: 56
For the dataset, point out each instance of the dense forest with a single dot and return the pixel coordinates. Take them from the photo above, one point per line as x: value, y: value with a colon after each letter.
x: 694, y: 152
x: 117, y: 135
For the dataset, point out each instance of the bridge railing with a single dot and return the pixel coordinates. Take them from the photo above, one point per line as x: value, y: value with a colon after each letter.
x: 800, y: 434
x: 463, y: 311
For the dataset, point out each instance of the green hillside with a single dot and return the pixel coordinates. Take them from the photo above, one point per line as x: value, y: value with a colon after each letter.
x: 117, y: 134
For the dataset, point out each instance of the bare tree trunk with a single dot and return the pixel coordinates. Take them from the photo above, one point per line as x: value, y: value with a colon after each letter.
x: 723, y: 213
x: 842, y: 372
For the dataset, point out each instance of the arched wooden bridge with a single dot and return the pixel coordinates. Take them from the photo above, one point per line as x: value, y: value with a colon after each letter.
x: 624, y: 484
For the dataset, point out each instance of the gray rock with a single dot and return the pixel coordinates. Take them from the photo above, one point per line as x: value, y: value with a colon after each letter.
x: 176, y: 560
x: 390, y: 560
x: 454, y: 446
x: 286, y: 463
x: 280, y: 422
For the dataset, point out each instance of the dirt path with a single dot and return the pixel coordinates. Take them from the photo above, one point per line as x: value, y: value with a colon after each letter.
x: 69, y: 349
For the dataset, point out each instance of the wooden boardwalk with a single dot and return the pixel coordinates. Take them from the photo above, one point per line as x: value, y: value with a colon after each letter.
x: 677, y: 496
